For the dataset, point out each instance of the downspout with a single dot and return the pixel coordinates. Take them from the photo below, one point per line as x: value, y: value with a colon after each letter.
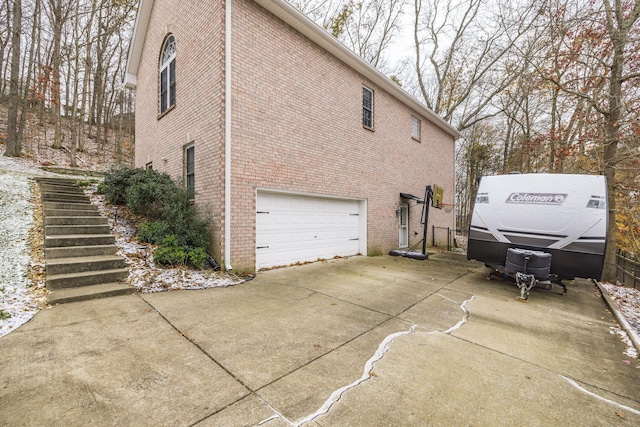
x: 227, y: 136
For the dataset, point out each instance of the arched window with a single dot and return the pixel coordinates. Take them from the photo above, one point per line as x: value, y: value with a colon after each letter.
x: 168, y: 75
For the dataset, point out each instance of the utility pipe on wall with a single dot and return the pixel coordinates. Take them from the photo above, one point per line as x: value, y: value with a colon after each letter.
x: 227, y: 136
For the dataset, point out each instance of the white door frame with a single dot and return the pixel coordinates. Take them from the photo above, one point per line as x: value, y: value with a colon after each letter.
x: 403, y: 225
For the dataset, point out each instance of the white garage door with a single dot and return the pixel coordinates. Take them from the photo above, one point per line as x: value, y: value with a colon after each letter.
x: 293, y: 228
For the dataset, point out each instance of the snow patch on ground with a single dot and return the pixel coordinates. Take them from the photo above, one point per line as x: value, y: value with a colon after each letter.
x: 18, y: 301
x: 628, y: 301
x: 630, y: 351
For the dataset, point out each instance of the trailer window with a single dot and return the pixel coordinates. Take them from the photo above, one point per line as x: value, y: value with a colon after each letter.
x: 597, y: 202
x: 482, y: 198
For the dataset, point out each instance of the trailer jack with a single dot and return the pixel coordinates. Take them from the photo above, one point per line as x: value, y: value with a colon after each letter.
x: 525, y: 282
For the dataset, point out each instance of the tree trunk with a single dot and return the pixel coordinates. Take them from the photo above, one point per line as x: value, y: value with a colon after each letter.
x: 85, y: 81
x: 27, y: 85
x: 612, y: 124
x: 3, y: 45
x: 14, y: 146
x: 58, y: 22
x: 619, y: 24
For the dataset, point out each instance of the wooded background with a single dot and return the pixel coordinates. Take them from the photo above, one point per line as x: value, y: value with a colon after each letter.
x: 532, y: 86
x: 64, y: 61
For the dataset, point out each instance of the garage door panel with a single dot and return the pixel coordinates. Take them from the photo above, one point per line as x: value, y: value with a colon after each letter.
x: 291, y: 228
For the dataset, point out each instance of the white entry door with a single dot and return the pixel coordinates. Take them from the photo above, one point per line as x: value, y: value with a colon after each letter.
x: 403, y: 230
x: 296, y: 228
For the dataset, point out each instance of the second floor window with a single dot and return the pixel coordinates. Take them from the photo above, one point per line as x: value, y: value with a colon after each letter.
x: 415, y: 128
x: 367, y: 108
x: 168, y: 75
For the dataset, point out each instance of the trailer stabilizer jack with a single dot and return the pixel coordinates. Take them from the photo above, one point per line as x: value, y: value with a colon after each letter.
x: 525, y: 282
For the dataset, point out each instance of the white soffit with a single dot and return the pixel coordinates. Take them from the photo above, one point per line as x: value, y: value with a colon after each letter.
x: 137, y: 42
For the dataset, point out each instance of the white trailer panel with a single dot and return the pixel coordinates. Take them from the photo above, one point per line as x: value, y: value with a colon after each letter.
x: 562, y: 214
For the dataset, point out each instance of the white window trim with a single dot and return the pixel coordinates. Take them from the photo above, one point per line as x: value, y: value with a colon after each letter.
x: 167, y: 58
x: 371, y: 109
x: 417, y: 137
x: 187, y: 147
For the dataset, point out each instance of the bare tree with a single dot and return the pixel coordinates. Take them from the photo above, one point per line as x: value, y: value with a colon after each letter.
x: 604, y: 70
x: 370, y: 28
x: 462, y: 51
x: 26, y: 93
x: 14, y: 147
x: 59, y: 11
x: 5, y: 38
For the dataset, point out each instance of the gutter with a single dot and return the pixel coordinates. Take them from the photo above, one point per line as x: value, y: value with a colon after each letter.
x: 227, y: 136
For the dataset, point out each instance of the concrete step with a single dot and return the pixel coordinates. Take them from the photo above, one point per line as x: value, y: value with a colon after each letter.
x: 68, y: 189
x: 85, y: 278
x: 75, y: 220
x: 80, y: 251
x: 68, y: 212
x: 78, y: 240
x: 85, y: 293
x: 84, y: 263
x: 57, y: 181
x: 81, y: 260
x: 57, y: 187
x: 60, y: 187
x: 61, y: 230
x: 65, y: 198
x: 72, y: 207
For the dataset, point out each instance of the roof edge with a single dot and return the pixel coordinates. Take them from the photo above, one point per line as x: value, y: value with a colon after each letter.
x: 300, y: 22
x: 321, y: 37
x: 140, y: 26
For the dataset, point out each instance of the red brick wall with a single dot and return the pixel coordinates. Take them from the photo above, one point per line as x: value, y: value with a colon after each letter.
x: 198, y: 116
x: 297, y: 125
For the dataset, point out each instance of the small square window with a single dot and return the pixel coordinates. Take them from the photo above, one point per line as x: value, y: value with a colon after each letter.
x: 416, y: 124
x: 149, y: 166
x: 367, y: 108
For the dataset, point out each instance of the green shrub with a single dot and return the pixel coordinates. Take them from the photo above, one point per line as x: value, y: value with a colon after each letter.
x: 197, y: 257
x: 115, y: 184
x: 152, y: 232
x: 176, y: 225
x: 170, y: 252
x: 147, y: 194
x: 186, y: 222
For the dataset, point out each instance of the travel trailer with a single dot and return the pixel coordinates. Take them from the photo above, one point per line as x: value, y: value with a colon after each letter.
x: 558, y: 214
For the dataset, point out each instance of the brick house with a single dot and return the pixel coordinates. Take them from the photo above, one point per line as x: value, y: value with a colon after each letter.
x: 307, y: 157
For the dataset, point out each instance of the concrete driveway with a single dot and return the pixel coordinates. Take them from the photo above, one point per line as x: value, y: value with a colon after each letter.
x: 359, y: 341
